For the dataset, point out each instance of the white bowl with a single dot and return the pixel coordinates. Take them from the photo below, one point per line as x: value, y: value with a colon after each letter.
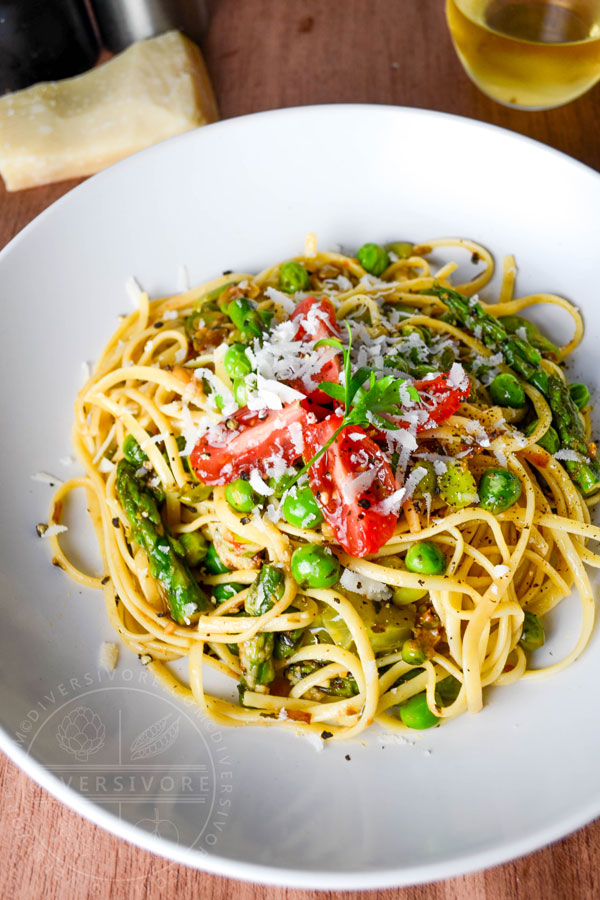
x: 260, y: 804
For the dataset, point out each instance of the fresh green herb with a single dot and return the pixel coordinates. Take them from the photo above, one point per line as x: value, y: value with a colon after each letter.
x: 362, y: 407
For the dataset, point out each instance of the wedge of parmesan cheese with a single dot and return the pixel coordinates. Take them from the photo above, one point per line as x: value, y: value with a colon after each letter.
x: 75, y: 127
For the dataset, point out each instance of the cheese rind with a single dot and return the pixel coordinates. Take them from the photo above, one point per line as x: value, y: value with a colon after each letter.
x: 75, y: 127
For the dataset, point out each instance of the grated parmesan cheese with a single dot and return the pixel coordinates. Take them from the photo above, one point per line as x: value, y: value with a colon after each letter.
x: 135, y: 292
x: 109, y: 655
x: 361, y: 584
x: 352, y: 488
x: 269, y: 393
x: 86, y: 371
x: 46, y: 478
x: 52, y: 530
x: 568, y: 456
x: 281, y: 299
x: 259, y: 485
x: 183, y: 279
x: 457, y: 377
x: 317, y: 742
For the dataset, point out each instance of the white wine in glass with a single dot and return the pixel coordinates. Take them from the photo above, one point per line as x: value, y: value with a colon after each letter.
x: 530, y: 54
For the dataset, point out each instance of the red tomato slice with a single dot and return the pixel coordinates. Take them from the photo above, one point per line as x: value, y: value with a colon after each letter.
x: 440, y: 403
x: 320, y: 324
x: 246, y: 440
x: 349, y: 481
x: 444, y: 400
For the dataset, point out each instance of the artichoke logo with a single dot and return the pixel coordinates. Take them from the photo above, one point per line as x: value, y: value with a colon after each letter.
x: 81, y: 733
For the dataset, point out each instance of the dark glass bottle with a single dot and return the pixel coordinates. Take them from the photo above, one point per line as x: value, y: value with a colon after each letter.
x: 44, y: 40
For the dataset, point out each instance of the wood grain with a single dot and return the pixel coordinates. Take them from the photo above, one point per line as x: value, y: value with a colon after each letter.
x: 265, y: 54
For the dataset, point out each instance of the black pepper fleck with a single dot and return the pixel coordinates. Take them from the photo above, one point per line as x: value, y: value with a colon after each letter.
x: 116, y: 522
x: 326, y: 735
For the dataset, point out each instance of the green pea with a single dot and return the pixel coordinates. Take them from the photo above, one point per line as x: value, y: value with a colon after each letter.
x: 402, y: 596
x: 402, y: 249
x: 445, y: 359
x: 415, y: 713
x: 314, y: 566
x: 240, y: 495
x: 506, y: 390
x: 236, y: 362
x: 240, y: 391
x: 499, y: 489
x: 246, y: 318
x: 300, y: 508
x: 550, y: 441
x: 426, y: 558
x: 223, y: 592
x: 267, y: 316
x: 213, y: 562
x: 195, y: 547
x: 447, y: 690
x: 293, y: 277
x: 132, y: 451
x: 580, y: 395
x: 373, y: 258
x: 428, y: 482
x: 533, y: 636
x: 457, y: 485
x: 423, y: 333
x: 413, y: 652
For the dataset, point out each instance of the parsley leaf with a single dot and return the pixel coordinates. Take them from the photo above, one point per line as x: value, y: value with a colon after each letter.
x: 384, y: 396
x: 362, y: 407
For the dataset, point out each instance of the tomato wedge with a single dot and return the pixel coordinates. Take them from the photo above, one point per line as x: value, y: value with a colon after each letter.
x: 349, y: 481
x: 248, y: 440
x: 444, y: 399
x: 317, y: 321
x: 440, y: 402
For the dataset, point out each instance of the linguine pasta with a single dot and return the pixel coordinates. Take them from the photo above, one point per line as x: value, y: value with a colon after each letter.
x: 163, y: 383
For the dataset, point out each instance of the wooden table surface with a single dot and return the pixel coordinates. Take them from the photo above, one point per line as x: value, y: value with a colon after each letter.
x: 265, y: 54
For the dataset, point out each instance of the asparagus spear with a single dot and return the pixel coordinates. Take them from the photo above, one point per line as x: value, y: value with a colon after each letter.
x: 513, y: 324
x: 525, y: 360
x: 256, y: 655
x: 287, y: 642
x: 567, y: 422
x: 520, y: 355
x: 338, y: 687
x: 183, y: 593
